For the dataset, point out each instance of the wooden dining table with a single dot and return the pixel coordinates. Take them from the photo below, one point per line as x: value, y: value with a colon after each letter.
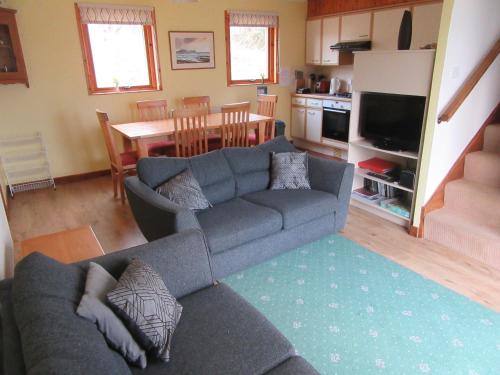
x: 143, y: 133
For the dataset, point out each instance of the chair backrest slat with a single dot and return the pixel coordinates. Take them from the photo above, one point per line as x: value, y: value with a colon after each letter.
x: 197, y: 102
x: 113, y: 153
x: 234, y: 130
x: 266, y: 106
x: 152, y: 110
x: 190, y: 135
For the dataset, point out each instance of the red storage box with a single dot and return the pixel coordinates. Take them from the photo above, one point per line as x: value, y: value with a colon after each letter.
x: 378, y: 165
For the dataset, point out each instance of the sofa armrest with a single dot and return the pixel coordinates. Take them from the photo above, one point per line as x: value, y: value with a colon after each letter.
x: 333, y: 177
x: 157, y: 216
x: 182, y: 260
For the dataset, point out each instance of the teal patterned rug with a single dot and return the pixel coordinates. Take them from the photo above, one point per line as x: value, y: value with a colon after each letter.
x: 350, y: 311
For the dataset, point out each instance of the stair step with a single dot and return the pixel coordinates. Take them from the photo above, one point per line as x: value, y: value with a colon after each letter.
x: 483, y: 167
x: 492, y: 138
x: 478, y: 201
x: 464, y: 235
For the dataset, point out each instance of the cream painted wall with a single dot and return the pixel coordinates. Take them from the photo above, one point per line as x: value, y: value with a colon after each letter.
x: 57, y: 102
x: 467, y: 33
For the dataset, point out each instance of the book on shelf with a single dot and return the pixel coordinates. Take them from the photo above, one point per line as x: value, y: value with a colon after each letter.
x: 380, y: 188
x: 366, y: 194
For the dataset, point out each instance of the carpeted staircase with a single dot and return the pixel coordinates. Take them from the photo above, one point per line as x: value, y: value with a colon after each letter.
x: 469, y: 222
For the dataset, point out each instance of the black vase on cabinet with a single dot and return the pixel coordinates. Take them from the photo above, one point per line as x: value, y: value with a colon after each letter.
x: 404, y: 39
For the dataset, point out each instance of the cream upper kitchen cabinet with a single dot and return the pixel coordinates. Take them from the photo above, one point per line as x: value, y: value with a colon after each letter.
x: 386, y: 24
x: 355, y: 27
x: 313, y: 41
x: 313, y: 124
x: 331, y: 36
x: 426, y: 19
x: 298, y: 128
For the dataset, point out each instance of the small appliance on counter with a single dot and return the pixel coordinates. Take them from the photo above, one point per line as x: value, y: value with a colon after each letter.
x: 300, y: 82
x: 335, y: 85
x: 311, y: 82
x: 303, y: 90
x: 323, y: 86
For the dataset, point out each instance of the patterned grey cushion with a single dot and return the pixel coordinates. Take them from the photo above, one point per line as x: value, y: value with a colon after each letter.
x: 184, y: 190
x: 148, y: 309
x: 92, y: 307
x: 289, y: 171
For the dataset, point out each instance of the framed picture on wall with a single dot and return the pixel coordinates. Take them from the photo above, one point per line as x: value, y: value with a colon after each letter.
x: 192, y: 50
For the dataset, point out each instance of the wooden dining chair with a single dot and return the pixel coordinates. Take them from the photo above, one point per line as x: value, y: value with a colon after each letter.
x: 191, y: 135
x: 214, y: 136
x: 154, y: 110
x: 266, y: 106
x: 196, y: 102
x: 234, y: 130
x: 121, y: 163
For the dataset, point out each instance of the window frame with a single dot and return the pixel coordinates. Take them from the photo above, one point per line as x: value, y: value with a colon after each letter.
x: 153, y: 61
x: 272, y: 61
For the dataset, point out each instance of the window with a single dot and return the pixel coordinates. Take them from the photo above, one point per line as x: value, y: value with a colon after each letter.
x: 251, y: 47
x: 119, y: 48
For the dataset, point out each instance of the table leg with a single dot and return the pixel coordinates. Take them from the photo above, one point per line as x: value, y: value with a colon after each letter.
x: 262, y: 132
x: 127, y: 144
x: 142, y: 148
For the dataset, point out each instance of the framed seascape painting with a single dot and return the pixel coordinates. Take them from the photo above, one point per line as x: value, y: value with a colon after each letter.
x: 192, y: 50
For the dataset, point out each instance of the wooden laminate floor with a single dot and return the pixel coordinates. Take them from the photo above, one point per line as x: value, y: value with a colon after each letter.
x: 91, y: 202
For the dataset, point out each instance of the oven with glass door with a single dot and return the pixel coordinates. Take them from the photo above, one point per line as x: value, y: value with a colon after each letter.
x: 336, y: 116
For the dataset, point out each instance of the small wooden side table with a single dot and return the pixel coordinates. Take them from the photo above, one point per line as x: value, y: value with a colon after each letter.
x: 68, y: 246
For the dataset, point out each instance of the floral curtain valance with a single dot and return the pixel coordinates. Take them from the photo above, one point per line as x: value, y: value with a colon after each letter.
x: 115, y: 14
x: 246, y: 18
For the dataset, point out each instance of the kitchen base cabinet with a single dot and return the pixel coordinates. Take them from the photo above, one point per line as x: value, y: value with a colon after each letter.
x: 298, y: 126
x: 313, y: 125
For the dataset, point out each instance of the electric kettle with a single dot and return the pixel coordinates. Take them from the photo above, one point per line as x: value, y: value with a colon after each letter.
x: 335, y: 84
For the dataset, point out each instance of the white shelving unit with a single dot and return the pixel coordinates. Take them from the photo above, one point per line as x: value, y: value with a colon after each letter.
x: 358, y: 152
x: 392, y: 72
x: 25, y: 164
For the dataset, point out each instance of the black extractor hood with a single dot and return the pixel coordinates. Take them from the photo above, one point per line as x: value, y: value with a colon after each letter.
x: 364, y: 45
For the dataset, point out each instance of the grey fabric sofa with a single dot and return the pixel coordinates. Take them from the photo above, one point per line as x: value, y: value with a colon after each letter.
x: 219, y: 332
x: 248, y: 223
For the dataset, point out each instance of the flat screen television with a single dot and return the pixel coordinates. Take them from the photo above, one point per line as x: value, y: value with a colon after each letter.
x: 392, y: 121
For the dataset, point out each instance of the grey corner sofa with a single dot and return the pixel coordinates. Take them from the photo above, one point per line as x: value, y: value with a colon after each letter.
x: 248, y: 223
x: 219, y: 332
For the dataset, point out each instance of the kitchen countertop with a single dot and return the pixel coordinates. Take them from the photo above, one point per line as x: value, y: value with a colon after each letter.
x: 322, y: 96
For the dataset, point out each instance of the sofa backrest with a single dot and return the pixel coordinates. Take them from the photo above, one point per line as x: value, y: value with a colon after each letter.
x: 251, y: 166
x: 222, y: 174
x: 182, y: 260
x: 211, y: 170
x: 45, y: 294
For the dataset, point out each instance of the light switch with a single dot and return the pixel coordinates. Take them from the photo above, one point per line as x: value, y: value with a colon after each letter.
x: 455, y: 72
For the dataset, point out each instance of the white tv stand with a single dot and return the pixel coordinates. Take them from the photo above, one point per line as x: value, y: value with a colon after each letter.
x: 392, y: 72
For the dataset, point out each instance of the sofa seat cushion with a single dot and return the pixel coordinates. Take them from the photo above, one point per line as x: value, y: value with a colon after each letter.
x: 296, y: 206
x: 220, y: 333
x: 236, y: 222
